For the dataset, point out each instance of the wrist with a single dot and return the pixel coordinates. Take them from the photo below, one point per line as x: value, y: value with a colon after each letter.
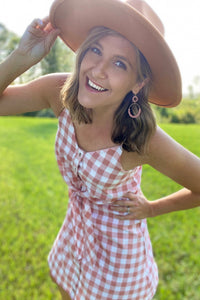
x: 152, y: 209
x: 21, y: 61
x: 11, y: 68
x: 162, y: 206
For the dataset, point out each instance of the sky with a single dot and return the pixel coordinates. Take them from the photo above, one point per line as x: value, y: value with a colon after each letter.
x: 180, y: 18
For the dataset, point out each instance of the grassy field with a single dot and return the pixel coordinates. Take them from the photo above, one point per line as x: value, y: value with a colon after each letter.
x: 33, y: 201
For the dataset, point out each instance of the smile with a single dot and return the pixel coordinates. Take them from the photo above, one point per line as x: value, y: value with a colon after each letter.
x: 95, y: 86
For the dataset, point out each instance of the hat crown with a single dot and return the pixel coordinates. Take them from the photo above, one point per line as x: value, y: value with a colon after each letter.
x: 143, y: 8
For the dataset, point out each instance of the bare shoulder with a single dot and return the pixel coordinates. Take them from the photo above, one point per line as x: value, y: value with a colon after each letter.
x: 43, y: 92
x: 56, y: 79
x: 164, y: 153
x: 51, y: 85
x: 169, y: 158
x: 173, y: 160
x: 164, y: 147
x: 130, y: 160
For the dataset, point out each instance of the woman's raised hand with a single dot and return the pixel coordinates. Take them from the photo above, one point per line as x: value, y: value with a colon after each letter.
x: 37, y: 40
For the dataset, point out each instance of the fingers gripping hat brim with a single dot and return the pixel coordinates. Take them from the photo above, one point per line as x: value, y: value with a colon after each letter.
x: 76, y: 18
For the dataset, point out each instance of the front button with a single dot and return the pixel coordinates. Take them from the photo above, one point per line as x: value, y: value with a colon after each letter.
x: 83, y: 188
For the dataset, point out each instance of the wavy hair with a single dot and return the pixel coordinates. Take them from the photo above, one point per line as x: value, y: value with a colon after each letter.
x: 132, y: 134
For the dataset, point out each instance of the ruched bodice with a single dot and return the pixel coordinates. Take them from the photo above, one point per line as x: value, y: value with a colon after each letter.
x: 98, y: 173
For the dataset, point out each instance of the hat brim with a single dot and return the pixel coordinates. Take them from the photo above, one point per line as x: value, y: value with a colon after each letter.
x: 76, y: 18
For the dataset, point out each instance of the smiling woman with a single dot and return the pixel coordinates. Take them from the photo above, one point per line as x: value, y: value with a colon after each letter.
x: 106, y: 132
x: 16, y: 20
x: 108, y: 68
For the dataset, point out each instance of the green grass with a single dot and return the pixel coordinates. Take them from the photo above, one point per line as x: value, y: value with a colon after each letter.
x: 33, y: 200
x: 175, y: 237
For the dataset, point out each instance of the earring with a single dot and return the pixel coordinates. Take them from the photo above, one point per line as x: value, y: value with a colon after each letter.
x: 134, y: 109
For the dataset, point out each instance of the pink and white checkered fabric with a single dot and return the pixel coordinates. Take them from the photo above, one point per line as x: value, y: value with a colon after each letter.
x: 95, y: 255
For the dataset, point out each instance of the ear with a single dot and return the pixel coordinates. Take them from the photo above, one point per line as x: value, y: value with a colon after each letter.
x: 139, y: 85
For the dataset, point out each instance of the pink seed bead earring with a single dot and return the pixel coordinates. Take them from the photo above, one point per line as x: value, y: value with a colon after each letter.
x: 134, y: 109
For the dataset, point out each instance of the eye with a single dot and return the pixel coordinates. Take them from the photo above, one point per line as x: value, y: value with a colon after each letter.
x: 95, y: 50
x: 120, y: 64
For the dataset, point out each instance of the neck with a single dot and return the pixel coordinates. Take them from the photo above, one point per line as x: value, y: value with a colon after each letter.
x: 103, y: 117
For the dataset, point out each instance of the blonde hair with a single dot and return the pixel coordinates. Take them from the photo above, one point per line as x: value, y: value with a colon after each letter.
x: 132, y: 134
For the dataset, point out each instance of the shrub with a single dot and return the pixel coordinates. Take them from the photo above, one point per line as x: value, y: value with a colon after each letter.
x: 188, y: 112
x: 46, y: 113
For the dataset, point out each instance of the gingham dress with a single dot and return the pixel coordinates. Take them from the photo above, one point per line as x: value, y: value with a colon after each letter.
x: 95, y: 255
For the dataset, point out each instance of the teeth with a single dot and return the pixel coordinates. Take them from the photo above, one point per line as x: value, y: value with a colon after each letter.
x: 94, y: 86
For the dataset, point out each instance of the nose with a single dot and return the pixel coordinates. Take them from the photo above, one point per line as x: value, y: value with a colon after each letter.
x: 100, y: 70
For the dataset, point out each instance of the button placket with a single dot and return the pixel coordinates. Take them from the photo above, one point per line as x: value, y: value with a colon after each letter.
x: 80, y: 163
x: 77, y: 157
x: 78, y: 160
x: 80, y: 156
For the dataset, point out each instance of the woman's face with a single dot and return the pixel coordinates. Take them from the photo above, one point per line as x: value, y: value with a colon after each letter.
x: 107, y: 73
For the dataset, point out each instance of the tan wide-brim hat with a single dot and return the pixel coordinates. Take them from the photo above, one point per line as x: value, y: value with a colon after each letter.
x: 136, y: 21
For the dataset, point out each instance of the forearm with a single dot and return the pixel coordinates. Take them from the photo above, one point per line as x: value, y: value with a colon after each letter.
x: 181, y: 200
x: 34, y: 45
x: 38, y: 94
x: 11, y: 68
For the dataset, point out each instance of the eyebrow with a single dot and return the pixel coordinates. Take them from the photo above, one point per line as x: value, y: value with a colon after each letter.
x: 117, y: 56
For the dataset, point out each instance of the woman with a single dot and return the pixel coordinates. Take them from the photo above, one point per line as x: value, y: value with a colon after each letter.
x: 106, y: 133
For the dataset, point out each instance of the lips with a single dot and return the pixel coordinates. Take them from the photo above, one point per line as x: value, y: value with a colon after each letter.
x: 94, y: 86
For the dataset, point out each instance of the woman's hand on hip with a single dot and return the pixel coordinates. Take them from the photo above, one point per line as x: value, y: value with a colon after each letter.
x: 133, y: 207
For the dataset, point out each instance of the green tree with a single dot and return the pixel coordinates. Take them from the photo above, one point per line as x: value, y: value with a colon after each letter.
x: 8, y: 41
x: 60, y: 59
